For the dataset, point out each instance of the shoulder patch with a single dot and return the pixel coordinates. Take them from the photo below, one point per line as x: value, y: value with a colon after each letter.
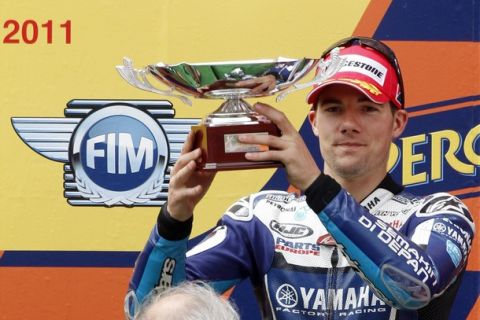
x: 240, y: 210
x: 439, y: 203
x: 213, y: 239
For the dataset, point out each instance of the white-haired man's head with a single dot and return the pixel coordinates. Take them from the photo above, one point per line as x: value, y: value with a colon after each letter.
x: 187, y: 301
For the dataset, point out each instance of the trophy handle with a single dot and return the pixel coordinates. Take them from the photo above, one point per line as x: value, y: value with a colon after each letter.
x: 138, y: 79
x: 325, y: 71
x: 296, y: 66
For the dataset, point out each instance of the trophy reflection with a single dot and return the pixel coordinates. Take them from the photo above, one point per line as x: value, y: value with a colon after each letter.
x: 231, y: 81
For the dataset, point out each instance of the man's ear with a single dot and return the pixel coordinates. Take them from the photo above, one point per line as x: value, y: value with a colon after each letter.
x: 400, y: 119
x: 311, y: 117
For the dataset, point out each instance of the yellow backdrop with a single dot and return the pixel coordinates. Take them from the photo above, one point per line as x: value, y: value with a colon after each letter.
x: 38, y: 79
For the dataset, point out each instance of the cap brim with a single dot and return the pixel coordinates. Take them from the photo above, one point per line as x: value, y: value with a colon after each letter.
x: 377, y: 98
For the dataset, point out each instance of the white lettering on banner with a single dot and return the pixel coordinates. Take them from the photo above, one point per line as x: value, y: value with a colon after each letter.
x: 126, y: 150
x: 400, y: 246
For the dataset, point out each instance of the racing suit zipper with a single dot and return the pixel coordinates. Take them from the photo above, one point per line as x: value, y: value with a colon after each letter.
x: 332, y: 283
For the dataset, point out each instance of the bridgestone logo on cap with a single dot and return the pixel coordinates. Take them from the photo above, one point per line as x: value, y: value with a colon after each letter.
x: 366, y: 66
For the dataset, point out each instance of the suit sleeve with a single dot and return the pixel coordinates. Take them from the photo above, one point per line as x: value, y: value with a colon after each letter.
x: 162, y: 261
x: 409, y: 267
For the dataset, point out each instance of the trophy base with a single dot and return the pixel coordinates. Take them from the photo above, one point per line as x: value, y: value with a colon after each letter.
x: 221, y: 149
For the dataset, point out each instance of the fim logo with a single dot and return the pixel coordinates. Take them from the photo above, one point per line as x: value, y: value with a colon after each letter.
x: 116, y: 152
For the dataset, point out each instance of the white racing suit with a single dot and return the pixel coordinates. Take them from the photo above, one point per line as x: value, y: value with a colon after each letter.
x: 322, y: 255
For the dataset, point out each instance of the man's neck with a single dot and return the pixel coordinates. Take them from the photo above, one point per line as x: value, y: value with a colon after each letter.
x: 359, y: 187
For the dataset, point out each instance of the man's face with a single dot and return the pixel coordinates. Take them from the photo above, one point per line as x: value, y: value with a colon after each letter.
x: 354, y: 133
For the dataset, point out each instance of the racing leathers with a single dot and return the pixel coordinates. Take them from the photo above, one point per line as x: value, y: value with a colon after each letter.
x: 322, y: 255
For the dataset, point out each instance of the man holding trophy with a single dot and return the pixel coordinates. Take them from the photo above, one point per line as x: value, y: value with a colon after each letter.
x: 334, y: 252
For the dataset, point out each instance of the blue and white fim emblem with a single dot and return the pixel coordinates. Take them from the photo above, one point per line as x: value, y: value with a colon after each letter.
x: 117, y: 153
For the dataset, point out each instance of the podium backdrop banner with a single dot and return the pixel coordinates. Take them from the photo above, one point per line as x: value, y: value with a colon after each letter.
x: 65, y: 255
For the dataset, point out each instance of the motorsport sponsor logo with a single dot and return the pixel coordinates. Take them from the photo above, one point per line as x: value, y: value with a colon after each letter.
x: 303, y: 248
x: 371, y: 203
x: 291, y: 230
x: 454, y: 233
x: 444, y: 202
x: 284, y: 198
x: 460, y: 233
x: 287, y: 296
x: 386, y: 213
x: 320, y: 302
x: 119, y: 154
x: 281, y: 206
x: 326, y: 240
x: 115, y: 152
x: 396, y: 243
x: 366, y: 66
x: 166, y: 273
x: 439, y: 227
x: 396, y: 224
x: 403, y: 200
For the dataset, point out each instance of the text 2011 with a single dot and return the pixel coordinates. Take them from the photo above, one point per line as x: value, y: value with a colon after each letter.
x: 32, y: 32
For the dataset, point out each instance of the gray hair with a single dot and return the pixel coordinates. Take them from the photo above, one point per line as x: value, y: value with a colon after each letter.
x: 187, y: 301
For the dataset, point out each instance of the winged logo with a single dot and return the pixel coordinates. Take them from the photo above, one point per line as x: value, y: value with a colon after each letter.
x: 115, y: 152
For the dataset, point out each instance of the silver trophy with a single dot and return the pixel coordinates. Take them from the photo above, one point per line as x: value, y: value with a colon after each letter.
x: 231, y: 81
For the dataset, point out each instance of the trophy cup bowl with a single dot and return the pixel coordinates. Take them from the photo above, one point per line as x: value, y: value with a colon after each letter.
x: 231, y: 81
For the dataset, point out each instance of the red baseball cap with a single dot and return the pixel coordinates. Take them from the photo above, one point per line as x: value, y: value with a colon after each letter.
x: 368, y: 71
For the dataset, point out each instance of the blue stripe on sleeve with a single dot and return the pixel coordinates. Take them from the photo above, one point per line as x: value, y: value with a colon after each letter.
x: 159, y: 261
